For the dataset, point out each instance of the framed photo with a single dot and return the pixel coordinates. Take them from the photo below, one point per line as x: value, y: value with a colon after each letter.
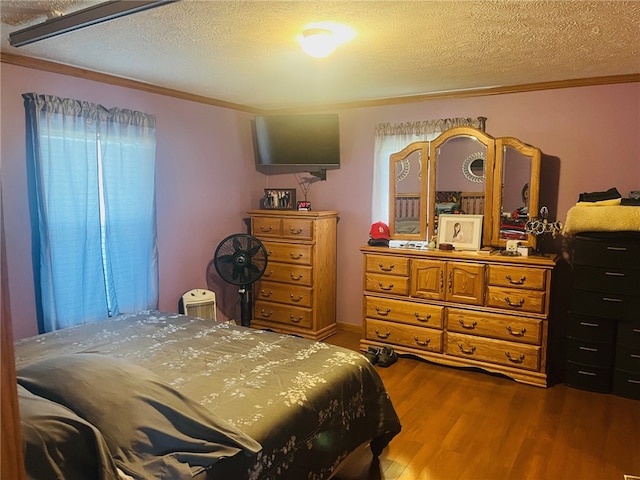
x: 279, y: 199
x: 464, y: 232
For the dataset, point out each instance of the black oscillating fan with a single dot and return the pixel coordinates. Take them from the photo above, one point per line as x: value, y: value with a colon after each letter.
x: 241, y: 259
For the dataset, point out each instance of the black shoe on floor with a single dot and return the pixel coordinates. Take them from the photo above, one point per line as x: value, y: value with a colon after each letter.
x: 387, y: 357
x: 372, y: 354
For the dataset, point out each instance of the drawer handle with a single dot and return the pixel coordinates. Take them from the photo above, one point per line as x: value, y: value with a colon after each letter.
x: 265, y: 229
x: 268, y: 274
x: 424, y: 319
x: 519, y: 303
x: 636, y: 330
x: 614, y: 274
x: 591, y: 374
x: 516, y: 334
x: 516, y: 282
x: 468, y: 327
x: 588, y: 349
x: 422, y: 344
x: 450, y: 282
x: 386, y: 269
x: 381, y: 312
x: 390, y: 287
x: 265, y: 294
x: 295, y: 231
x: 295, y: 277
x: 269, y: 253
x: 470, y: 351
x: 294, y: 319
x: 520, y: 359
x: 295, y: 256
x: 609, y: 299
x: 631, y: 380
x: 633, y: 355
x: 617, y: 249
x: 293, y: 299
x: 380, y: 335
x: 589, y: 324
x: 265, y: 314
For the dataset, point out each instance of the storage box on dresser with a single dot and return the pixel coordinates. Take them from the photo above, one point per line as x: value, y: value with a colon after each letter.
x: 603, y: 333
x: 297, y: 292
x: 460, y: 308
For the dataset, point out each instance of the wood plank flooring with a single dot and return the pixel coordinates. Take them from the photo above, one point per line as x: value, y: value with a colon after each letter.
x: 461, y: 424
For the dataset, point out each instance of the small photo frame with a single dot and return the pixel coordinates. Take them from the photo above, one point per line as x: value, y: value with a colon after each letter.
x: 464, y: 232
x: 279, y: 199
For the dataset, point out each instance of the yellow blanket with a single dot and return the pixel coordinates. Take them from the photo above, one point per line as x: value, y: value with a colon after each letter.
x: 602, y: 218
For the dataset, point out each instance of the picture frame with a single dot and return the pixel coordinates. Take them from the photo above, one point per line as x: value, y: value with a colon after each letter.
x: 279, y: 199
x: 464, y: 232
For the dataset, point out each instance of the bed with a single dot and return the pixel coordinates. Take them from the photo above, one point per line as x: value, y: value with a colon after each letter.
x: 162, y: 395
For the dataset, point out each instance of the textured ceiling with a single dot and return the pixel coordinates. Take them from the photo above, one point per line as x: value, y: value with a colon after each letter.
x: 245, y: 52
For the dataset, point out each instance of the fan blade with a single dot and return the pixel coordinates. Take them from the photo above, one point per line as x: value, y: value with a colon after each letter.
x: 252, y: 252
x: 227, y: 258
x: 236, y: 244
x: 253, y: 268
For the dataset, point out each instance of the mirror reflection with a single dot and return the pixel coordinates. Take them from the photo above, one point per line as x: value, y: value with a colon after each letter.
x: 516, y: 176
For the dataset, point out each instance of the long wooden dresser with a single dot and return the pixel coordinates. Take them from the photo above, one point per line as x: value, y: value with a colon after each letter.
x: 297, y: 292
x: 460, y: 308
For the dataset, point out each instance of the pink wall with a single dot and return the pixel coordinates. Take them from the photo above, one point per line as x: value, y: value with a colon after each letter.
x: 206, y: 178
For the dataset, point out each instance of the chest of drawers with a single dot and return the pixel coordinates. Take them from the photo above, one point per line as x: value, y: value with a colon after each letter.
x: 603, y: 331
x: 460, y: 309
x: 297, y: 292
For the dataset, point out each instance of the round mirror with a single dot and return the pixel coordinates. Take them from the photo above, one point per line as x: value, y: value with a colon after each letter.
x: 473, y: 167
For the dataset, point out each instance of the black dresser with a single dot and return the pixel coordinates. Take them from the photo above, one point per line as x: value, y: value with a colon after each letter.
x: 603, y: 330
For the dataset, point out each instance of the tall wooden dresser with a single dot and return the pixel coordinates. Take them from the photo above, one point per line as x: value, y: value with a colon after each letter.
x: 460, y: 308
x: 297, y: 292
x: 603, y: 331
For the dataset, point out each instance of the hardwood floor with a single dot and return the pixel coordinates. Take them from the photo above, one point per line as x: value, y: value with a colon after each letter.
x: 462, y: 424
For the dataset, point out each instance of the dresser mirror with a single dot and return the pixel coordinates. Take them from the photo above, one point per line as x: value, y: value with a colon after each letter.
x: 465, y: 170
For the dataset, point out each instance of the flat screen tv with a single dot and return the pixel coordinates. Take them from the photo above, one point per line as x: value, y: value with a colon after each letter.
x: 296, y: 143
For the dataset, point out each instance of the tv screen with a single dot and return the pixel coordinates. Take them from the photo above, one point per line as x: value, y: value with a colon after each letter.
x: 296, y: 143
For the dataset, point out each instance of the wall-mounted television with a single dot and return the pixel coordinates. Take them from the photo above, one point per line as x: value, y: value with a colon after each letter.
x: 296, y: 143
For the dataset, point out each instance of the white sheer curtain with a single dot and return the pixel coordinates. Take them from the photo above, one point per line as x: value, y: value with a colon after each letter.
x: 391, y: 138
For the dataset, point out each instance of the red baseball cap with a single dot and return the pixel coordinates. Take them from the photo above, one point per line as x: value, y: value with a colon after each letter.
x: 379, y: 234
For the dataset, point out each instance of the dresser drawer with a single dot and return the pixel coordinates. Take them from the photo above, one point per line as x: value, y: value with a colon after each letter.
x: 283, y: 314
x: 504, y: 327
x: 518, y: 277
x: 629, y: 334
x: 297, y: 228
x: 392, y: 284
x: 628, y: 358
x: 413, y: 313
x: 516, y: 299
x: 606, y: 279
x: 511, y: 354
x: 590, y: 353
x: 294, y: 274
x: 427, y: 339
x: 266, y: 227
x: 606, y: 252
x: 289, y: 253
x: 594, y: 379
x: 387, y: 264
x: 283, y: 293
x: 591, y: 328
x: 606, y: 305
x: 626, y: 384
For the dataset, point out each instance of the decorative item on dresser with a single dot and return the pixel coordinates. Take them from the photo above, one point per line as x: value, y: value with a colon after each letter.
x: 460, y: 309
x: 297, y: 293
x: 603, y: 332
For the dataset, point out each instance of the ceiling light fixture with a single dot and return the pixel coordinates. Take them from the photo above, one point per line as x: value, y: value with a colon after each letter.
x: 321, y: 39
x: 82, y: 18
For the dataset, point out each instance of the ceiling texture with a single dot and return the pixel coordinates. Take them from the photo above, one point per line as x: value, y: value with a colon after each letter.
x: 246, y: 53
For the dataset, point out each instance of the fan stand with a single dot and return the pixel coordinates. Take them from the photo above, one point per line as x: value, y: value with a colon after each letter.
x: 245, y: 306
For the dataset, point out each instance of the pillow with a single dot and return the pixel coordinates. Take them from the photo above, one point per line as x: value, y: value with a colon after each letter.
x: 58, y: 444
x: 152, y: 430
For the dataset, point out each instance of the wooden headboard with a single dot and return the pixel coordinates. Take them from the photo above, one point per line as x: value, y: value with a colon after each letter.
x: 408, y: 204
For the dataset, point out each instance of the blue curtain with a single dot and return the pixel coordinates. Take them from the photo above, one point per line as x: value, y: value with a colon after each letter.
x: 92, y: 174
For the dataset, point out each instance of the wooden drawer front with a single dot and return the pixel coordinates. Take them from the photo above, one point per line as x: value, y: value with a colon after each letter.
x: 504, y: 327
x: 273, y: 312
x: 628, y: 358
x: 626, y: 384
x: 266, y: 227
x: 300, y: 228
x: 405, y: 312
x: 516, y: 355
x: 388, y: 264
x: 387, y: 284
x: 428, y: 279
x: 595, y: 379
x: 289, y: 253
x: 629, y: 334
x: 606, y: 305
x: 606, y: 252
x: 592, y: 328
x: 284, y: 293
x: 294, y: 274
x: 517, y: 277
x: 516, y: 299
x: 603, y: 279
x: 406, y: 335
x: 590, y: 353
x: 465, y: 283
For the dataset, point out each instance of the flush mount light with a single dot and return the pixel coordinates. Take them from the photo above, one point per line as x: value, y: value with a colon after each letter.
x: 321, y: 39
